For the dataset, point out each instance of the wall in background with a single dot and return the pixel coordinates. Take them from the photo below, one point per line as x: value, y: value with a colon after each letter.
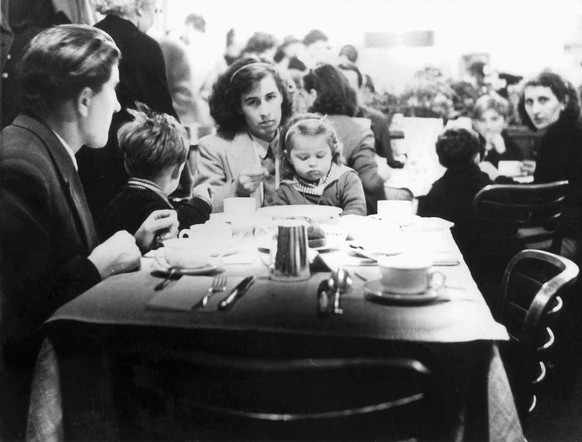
x: 521, y: 36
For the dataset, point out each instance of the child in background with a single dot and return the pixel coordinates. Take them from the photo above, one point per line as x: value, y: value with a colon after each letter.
x: 451, y: 196
x: 489, y: 120
x: 313, y: 163
x: 155, y: 149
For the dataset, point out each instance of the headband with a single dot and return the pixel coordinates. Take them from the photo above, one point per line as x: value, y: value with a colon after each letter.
x: 254, y: 63
x: 297, y: 123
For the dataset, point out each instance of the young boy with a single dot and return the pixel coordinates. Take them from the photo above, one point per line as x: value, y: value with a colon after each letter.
x: 154, y: 148
x: 451, y: 197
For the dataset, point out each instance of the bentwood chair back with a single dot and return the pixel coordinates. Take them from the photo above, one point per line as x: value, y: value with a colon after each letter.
x: 220, y: 397
x: 514, y: 217
x: 531, y: 299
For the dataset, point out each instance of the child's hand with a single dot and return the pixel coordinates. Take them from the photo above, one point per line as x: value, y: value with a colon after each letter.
x: 162, y: 224
x: 249, y: 180
x: 496, y: 141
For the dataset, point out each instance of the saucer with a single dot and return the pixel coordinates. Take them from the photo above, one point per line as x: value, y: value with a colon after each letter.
x: 375, y: 292
x: 209, y: 267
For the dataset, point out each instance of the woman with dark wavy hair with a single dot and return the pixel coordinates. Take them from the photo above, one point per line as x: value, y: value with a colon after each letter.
x: 331, y: 94
x: 549, y: 103
x: 249, y: 103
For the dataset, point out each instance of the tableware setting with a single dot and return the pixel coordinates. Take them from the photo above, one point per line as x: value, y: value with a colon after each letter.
x: 406, y: 279
x: 236, y: 293
x: 215, y: 236
x: 218, y: 285
x: 190, y: 294
x: 184, y: 261
x: 329, y: 292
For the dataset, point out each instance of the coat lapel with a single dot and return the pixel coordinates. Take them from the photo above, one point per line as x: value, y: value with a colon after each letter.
x: 70, y: 178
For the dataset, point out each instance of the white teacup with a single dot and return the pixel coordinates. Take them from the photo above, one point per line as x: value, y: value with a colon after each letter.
x: 409, y: 274
x: 215, y: 236
x: 394, y: 210
x: 509, y: 168
x: 183, y: 257
x: 235, y: 208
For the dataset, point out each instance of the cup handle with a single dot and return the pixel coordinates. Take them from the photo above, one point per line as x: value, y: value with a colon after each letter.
x: 185, y: 233
x: 436, y: 280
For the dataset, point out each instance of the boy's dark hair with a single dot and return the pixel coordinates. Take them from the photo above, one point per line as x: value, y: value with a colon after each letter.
x: 457, y: 147
x: 152, y: 143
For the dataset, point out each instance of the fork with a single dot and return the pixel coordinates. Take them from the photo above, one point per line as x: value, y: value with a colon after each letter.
x: 218, y: 285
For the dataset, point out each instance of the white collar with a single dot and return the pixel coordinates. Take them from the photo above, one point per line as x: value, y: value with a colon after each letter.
x: 262, y: 147
x: 69, y: 150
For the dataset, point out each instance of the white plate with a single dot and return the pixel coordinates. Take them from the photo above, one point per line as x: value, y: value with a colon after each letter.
x: 376, y: 292
x: 312, y: 211
x: 212, y: 265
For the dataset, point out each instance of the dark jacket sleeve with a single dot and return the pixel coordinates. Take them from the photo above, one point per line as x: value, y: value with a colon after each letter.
x: 193, y: 211
x: 36, y: 278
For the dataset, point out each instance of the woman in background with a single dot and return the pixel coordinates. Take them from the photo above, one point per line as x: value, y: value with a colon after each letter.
x: 330, y: 93
x: 249, y: 102
x: 549, y: 103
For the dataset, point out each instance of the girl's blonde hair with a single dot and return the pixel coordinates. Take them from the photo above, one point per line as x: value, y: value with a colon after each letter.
x: 308, y: 124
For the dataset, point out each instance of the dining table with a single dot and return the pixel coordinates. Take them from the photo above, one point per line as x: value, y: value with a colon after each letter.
x: 75, y: 388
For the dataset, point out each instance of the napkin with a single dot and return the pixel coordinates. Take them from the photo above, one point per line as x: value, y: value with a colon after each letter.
x: 185, y: 293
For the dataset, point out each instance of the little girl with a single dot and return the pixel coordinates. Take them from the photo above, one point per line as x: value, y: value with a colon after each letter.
x: 312, y: 162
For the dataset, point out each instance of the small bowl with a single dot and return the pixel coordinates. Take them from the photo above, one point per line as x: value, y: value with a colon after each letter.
x: 182, y: 257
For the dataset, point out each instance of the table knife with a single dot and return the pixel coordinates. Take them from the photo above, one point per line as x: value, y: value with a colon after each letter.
x: 236, y: 293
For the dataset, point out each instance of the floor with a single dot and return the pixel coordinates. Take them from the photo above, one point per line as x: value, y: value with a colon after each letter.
x: 558, y: 415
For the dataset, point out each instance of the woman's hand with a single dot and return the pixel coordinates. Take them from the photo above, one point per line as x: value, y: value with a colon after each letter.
x: 118, y: 254
x: 249, y: 180
x: 159, y: 226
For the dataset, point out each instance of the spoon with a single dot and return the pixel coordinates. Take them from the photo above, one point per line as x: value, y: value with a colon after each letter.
x: 340, y: 280
x: 171, y: 272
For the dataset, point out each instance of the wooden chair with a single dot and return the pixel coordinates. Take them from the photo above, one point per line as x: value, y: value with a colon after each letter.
x: 531, y: 298
x: 216, y: 397
x: 514, y: 217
